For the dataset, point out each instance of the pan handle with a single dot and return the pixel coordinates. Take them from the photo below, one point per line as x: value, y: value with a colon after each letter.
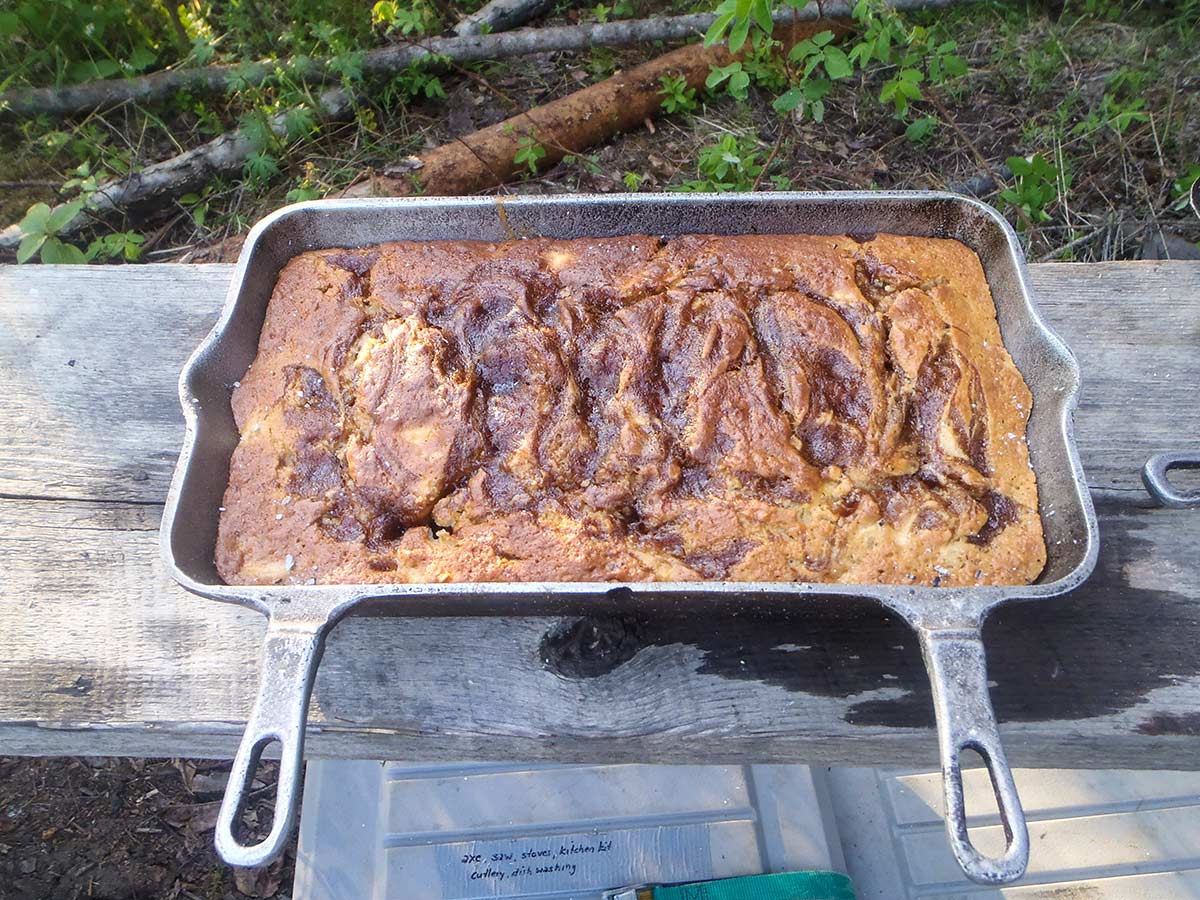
x: 291, y: 653
x: 1154, y: 477
x: 965, y: 720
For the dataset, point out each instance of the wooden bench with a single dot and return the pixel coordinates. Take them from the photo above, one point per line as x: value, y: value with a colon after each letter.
x: 101, y: 653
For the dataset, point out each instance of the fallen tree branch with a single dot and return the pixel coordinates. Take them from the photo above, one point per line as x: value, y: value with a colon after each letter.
x: 230, y: 151
x: 501, y: 15
x: 194, y: 168
x: 157, y: 86
x: 568, y: 125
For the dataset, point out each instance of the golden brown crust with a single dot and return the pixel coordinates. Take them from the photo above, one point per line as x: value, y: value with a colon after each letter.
x: 774, y: 408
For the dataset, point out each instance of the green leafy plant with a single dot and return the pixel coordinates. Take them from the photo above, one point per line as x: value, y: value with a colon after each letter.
x: 811, y: 56
x: 737, y: 17
x: 589, y: 162
x: 902, y: 90
x: 529, y: 152
x: 915, y: 55
x: 731, y: 164
x: 633, y: 180
x: 767, y: 66
x: 920, y: 129
x: 416, y: 17
x: 1122, y: 104
x: 39, y: 232
x: 604, y: 13
x: 308, y: 186
x: 125, y: 245
x: 602, y: 62
x: 735, y: 79
x: 918, y: 54
x: 197, y: 206
x: 677, y: 96
x: 1183, y: 186
x: 1036, y: 186
x: 84, y: 180
x: 261, y: 167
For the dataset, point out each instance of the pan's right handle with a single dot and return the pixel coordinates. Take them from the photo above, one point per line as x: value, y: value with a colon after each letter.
x: 1154, y: 477
x: 291, y: 654
x: 965, y: 720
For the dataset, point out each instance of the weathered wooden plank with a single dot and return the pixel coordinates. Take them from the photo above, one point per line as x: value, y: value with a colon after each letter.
x: 89, y: 361
x: 108, y: 426
x: 105, y: 654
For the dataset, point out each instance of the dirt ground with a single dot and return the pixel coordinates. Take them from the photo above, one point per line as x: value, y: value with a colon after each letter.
x: 125, y: 829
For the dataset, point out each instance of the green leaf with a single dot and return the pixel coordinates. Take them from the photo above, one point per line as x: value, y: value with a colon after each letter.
x: 716, y: 75
x: 920, y: 129
x: 912, y: 76
x: 62, y: 216
x: 817, y: 88
x: 801, y: 50
x: 9, y: 24
x: 954, y: 66
x: 762, y: 15
x: 717, y: 29
x: 788, y: 101
x: 29, y: 246
x: 141, y: 58
x: 738, y: 34
x: 823, y: 38
x: 57, y: 252
x: 35, y: 219
x: 837, y: 64
x: 818, y: 111
x: 106, y: 68
x: 1019, y: 165
x: 738, y: 83
x: 133, y: 245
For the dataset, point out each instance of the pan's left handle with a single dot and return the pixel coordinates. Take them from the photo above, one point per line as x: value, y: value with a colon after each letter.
x: 291, y: 654
x: 965, y: 720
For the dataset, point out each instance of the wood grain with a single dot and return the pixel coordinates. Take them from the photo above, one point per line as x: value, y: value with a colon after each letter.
x: 104, y: 654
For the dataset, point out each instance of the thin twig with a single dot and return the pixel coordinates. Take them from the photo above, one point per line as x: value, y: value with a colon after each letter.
x: 770, y: 159
x: 1073, y: 245
x: 931, y: 94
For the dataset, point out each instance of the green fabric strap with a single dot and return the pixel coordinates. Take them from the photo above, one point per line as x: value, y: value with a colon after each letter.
x: 784, y: 886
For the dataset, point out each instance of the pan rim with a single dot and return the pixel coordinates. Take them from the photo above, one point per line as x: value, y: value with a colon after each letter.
x: 909, y: 601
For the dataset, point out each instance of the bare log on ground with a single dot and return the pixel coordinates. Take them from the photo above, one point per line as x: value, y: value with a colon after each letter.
x: 466, y: 48
x: 230, y: 151
x: 571, y: 124
x: 227, y: 153
x: 502, y: 15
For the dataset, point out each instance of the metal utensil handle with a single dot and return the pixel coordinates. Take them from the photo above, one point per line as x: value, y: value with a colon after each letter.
x: 965, y: 720
x: 1154, y: 477
x: 291, y: 653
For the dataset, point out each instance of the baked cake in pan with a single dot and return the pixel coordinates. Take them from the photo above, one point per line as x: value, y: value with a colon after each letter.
x: 757, y: 408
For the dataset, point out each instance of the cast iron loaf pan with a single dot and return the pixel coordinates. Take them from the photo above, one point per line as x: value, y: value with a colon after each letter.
x: 947, y: 620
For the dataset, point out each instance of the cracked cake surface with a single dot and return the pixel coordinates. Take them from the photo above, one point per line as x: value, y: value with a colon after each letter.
x: 757, y: 408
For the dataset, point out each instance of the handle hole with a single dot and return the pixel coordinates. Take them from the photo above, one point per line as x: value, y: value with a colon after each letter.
x: 257, y: 815
x: 1184, y: 476
x: 982, y: 807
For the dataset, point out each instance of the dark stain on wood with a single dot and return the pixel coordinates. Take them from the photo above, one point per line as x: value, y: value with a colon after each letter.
x: 81, y: 687
x: 1176, y: 724
x: 1098, y: 651
x: 591, y: 646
